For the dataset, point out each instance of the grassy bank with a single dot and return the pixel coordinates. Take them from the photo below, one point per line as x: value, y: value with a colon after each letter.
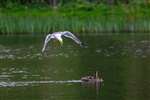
x: 83, y: 19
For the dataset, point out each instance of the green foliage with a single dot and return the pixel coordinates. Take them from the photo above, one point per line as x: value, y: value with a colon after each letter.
x: 91, y: 25
x: 83, y: 16
x: 9, y: 3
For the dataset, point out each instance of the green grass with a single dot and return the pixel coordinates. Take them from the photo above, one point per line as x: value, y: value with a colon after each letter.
x: 87, y: 19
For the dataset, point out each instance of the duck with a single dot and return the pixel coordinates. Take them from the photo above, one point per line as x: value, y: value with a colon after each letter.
x: 92, y: 79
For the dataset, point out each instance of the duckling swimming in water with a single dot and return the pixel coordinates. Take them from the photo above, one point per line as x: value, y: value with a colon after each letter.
x: 92, y: 79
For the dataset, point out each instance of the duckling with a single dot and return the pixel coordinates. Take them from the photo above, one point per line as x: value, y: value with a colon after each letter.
x: 87, y: 78
x: 92, y: 79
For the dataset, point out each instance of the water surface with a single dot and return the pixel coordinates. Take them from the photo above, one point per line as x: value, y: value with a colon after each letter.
x: 122, y: 60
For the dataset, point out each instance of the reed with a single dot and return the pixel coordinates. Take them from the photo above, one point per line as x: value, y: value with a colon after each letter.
x: 42, y: 25
x: 102, y: 19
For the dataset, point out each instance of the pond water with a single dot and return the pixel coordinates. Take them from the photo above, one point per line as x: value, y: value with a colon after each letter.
x: 122, y: 60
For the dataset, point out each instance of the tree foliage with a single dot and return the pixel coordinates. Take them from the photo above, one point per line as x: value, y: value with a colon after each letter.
x: 54, y: 3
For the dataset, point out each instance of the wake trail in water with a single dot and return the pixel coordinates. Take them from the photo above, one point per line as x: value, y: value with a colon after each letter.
x: 32, y: 83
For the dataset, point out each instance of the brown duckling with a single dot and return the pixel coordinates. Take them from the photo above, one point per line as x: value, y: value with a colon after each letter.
x: 92, y: 79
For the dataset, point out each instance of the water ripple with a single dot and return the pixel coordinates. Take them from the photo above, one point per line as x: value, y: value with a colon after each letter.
x: 136, y: 48
x: 33, y: 83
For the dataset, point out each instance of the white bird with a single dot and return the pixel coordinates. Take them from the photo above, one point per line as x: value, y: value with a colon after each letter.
x: 58, y: 36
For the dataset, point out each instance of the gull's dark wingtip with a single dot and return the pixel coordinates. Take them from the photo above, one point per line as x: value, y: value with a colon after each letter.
x: 82, y: 45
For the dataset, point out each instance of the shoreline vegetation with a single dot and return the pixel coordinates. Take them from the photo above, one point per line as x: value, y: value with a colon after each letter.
x: 83, y: 18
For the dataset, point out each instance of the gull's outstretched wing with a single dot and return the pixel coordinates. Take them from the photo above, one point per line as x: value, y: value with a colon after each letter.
x: 47, y: 39
x: 73, y: 37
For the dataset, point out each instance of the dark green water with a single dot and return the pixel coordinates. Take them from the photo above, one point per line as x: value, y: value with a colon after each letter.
x: 123, y: 60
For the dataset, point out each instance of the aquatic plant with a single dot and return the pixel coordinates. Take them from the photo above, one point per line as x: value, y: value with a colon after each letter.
x: 42, y: 25
x: 100, y: 19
